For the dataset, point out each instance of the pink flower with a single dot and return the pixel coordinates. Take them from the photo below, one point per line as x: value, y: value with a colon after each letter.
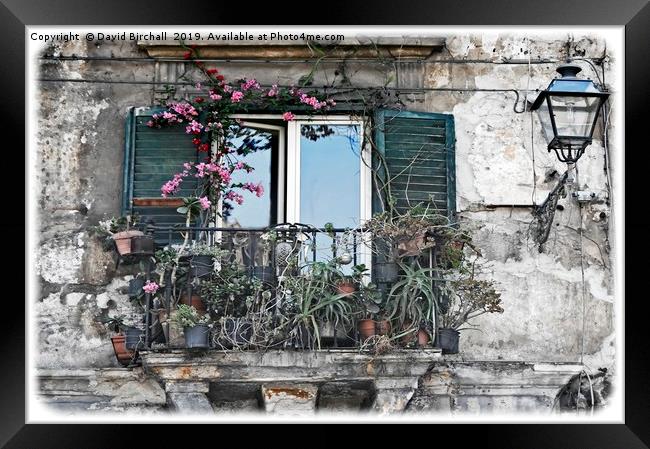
x: 236, y: 197
x: 171, y: 186
x: 273, y: 91
x: 214, y: 96
x: 312, y: 101
x: 194, y: 127
x: 184, y: 109
x: 257, y: 189
x: 236, y: 96
x: 250, y: 84
x: 150, y: 287
x: 205, y: 203
x: 288, y: 116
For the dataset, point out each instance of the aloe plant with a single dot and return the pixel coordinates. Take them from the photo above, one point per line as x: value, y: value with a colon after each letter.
x: 413, y: 299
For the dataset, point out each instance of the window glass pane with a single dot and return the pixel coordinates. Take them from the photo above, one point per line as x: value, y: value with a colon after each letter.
x: 329, y: 175
x: 254, y: 211
x: 330, y: 184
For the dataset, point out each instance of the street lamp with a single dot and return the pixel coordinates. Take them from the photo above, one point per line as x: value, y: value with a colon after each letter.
x: 568, y: 110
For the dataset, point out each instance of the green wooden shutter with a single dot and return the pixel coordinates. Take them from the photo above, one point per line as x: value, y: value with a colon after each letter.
x: 418, y: 160
x: 152, y: 157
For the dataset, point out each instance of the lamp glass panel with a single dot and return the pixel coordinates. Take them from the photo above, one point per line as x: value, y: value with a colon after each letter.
x: 574, y: 115
x: 545, y: 119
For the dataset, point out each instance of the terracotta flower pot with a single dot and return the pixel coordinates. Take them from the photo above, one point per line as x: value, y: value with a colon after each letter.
x: 411, y: 336
x: 123, y: 240
x: 366, y: 329
x: 423, y: 338
x: 383, y: 327
x: 346, y: 288
x: 195, y: 302
x: 124, y: 356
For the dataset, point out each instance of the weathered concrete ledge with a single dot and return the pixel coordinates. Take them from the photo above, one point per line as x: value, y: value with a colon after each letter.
x: 303, y: 366
x: 494, y: 386
x: 307, y: 382
x: 100, y: 389
x: 395, y: 375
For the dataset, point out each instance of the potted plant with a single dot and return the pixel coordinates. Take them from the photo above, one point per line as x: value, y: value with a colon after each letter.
x: 347, y: 284
x: 117, y: 232
x: 123, y: 232
x: 263, y: 268
x: 116, y: 325
x: 310, y: 298
x: 230, y: 294
x: 196, y: 327
x: 369, y: 301
x: 408, y: 234
x: 465, y: 298
x: 412, y: 301
x: 202, y: 257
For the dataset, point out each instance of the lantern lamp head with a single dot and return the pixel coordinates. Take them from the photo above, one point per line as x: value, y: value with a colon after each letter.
x: 568, y: 110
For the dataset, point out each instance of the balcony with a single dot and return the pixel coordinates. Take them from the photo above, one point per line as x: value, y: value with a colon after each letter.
x: 292, y: 286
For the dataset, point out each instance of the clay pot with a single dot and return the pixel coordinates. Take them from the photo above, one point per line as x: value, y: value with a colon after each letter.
x: 346, y: 288
x: 366, y: 329
x: 423, y: 338
x: 382, y: 327
x: 411, y: 336
x: 123, y: 240
x: 196, y: 302
x: 124, y: 356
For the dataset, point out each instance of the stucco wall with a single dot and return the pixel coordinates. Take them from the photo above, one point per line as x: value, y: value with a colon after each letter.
x: 80, y: 150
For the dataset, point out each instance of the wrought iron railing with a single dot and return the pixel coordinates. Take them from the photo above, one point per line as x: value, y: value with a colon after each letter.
x: 269, y: 255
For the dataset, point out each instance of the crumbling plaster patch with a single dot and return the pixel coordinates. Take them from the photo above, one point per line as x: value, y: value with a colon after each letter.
x: 69, y: 333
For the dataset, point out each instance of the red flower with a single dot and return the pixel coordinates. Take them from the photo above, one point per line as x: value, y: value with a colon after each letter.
x: 196, y: 141
x: 187, y: 55
x: 204, y: 147
x: 212, y: 71
x: 198, y: 99
x: 220, y: 77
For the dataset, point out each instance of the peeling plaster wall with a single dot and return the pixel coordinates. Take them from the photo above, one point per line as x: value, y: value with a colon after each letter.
x: 81, y: 144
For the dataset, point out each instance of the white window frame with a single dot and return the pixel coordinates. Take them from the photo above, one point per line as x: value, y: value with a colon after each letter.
x: 293, y: 167
x: 291, y: 159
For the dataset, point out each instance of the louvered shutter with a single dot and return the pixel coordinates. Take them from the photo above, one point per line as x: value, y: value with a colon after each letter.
x: 152, y: 157
x: 418, y: 159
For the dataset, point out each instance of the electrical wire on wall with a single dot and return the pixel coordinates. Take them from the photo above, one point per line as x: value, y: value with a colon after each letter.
x: 532, y: 125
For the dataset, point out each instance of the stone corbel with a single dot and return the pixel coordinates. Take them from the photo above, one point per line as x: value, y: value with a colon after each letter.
x: 189, y: 397
x: 394, y: 393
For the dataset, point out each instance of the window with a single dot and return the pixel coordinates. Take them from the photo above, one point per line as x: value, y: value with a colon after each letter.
x: 313, y: 170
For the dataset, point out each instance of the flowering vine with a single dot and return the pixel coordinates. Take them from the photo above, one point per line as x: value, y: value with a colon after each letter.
x: 209, y: 124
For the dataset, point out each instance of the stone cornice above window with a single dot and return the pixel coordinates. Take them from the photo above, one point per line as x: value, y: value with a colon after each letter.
x: 359, y: 47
